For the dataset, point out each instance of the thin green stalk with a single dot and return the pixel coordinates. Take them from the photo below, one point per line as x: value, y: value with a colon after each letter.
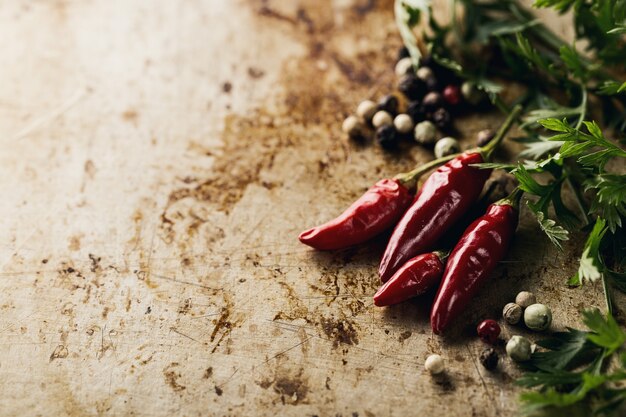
x: 409, y: 179
x: 488, y: 149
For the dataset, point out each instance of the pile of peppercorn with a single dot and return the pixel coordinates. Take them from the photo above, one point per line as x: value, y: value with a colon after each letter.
x: 427, y: 99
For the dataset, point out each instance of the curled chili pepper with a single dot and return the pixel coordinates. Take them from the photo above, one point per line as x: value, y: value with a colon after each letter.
x: 484, y: 244
x: 445, y: 196
x: 417, y: 276
x: 377, y: 210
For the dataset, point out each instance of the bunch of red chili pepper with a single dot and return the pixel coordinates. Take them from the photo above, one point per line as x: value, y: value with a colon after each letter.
x: 409, y: 266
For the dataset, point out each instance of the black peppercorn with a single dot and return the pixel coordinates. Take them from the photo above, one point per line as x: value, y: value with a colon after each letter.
x: 387, y: 136
x: 412, y: 87
x: 389, y: 103
x: 416, y: 111
x: 403, y: 53
x: 441, y: 118
x: 484, y: 136
x: 489, y: 359
x: 431, y: 84
x: 432, y: 101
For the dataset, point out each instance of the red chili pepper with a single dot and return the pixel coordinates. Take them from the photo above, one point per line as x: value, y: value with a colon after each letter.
x: 445, y: 196
x: 376, y: 211
x: 482, y: 246
x: 415, y: 277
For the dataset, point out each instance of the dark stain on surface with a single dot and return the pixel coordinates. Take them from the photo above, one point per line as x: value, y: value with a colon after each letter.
x: 404, y: 335
x: 340, y: 331
x: 172, y: 376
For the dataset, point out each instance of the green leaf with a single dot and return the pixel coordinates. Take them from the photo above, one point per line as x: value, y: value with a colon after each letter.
x: 555, y: 233
x: 590, y: 267
x: 555, y: 125
x: 572, y: 61
x: 606, y: 333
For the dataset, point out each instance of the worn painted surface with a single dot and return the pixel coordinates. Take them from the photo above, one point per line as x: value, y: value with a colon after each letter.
x: 158, y: 160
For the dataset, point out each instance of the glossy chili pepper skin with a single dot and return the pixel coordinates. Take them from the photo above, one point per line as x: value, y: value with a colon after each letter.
x: 415, y: 277
x: 484, y: 244
x: 445, y: 196
x: 376, y: 211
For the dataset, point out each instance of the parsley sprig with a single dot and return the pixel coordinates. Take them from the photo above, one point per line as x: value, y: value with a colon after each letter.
x: 565, y: 153
x: 578, y: 369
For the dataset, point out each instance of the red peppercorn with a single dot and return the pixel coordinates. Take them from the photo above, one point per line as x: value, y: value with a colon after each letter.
x: 488, y: 331
x: 452, y: 95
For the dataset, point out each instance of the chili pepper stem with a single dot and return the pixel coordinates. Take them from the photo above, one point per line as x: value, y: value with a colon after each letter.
x: 409, y: 179
x: 513, y: 199
x: 442, y: 255
x: 488, y: 149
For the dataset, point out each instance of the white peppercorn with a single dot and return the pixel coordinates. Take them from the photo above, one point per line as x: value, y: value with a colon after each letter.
x: 484, y: 137
x: 518, y: 348
x: 366, y: 110
x: 403, y: 123
x: 424, y: 73
x: 404, y: 66
x: 525, y: 299
x: 425, y: 133
x: 537, y: 317
x: 352, y: 126
x: 470, y: 93
x: 512, y: 313
x: 446, y: 146
x: 434, y: 364
x: 381, y: 118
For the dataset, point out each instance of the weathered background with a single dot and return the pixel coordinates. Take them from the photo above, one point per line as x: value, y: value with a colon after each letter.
x: 158, y: 161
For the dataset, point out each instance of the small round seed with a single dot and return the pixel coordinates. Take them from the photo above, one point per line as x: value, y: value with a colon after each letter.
x: 489, y: 359
x: 381, y: 118
x: 537, y: 317
x: 434, y: 364
x: 446, y: 146
x: 512, y: 313
x: 518, y: 348
x: 484, y: 136
x: 425, y: 133
x: 525, y: 299
x: 366, y: 110
x: 403, y: 123
x: 404, y: 66
x: 352, y: 126
x: 389, y: 103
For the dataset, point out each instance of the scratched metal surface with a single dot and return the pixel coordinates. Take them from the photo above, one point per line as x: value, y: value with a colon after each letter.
x: 158, y: 160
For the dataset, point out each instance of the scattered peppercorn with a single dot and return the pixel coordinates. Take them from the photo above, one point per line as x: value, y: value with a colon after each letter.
x: 537, y: 317
x: 404, y: 66
x: 512, y: 313
x: 381, y: 118
x: 424, y: 73
x: 412, y: 87
x: 525, y: 299
x: 452, y: 95
x: 389, y: 103
x: 425, y: 133
x: 352, y: 126
x: 416, y: 111
x: 366, y: 110
x: 489, y: 359
x: 432, y: 101
x: 403, y: 123
x: 484, y: 136
x: 432, y: 84
x: 446, y: 146
x: 488, y: 331
x: 518, y: 348
x: 434, y: 364
x: 387, y: 136
x: 442, y: 119
x: 470, y: 93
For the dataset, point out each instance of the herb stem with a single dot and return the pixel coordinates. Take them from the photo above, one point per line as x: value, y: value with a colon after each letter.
x: 488, y: 149
x: 607, y: 295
